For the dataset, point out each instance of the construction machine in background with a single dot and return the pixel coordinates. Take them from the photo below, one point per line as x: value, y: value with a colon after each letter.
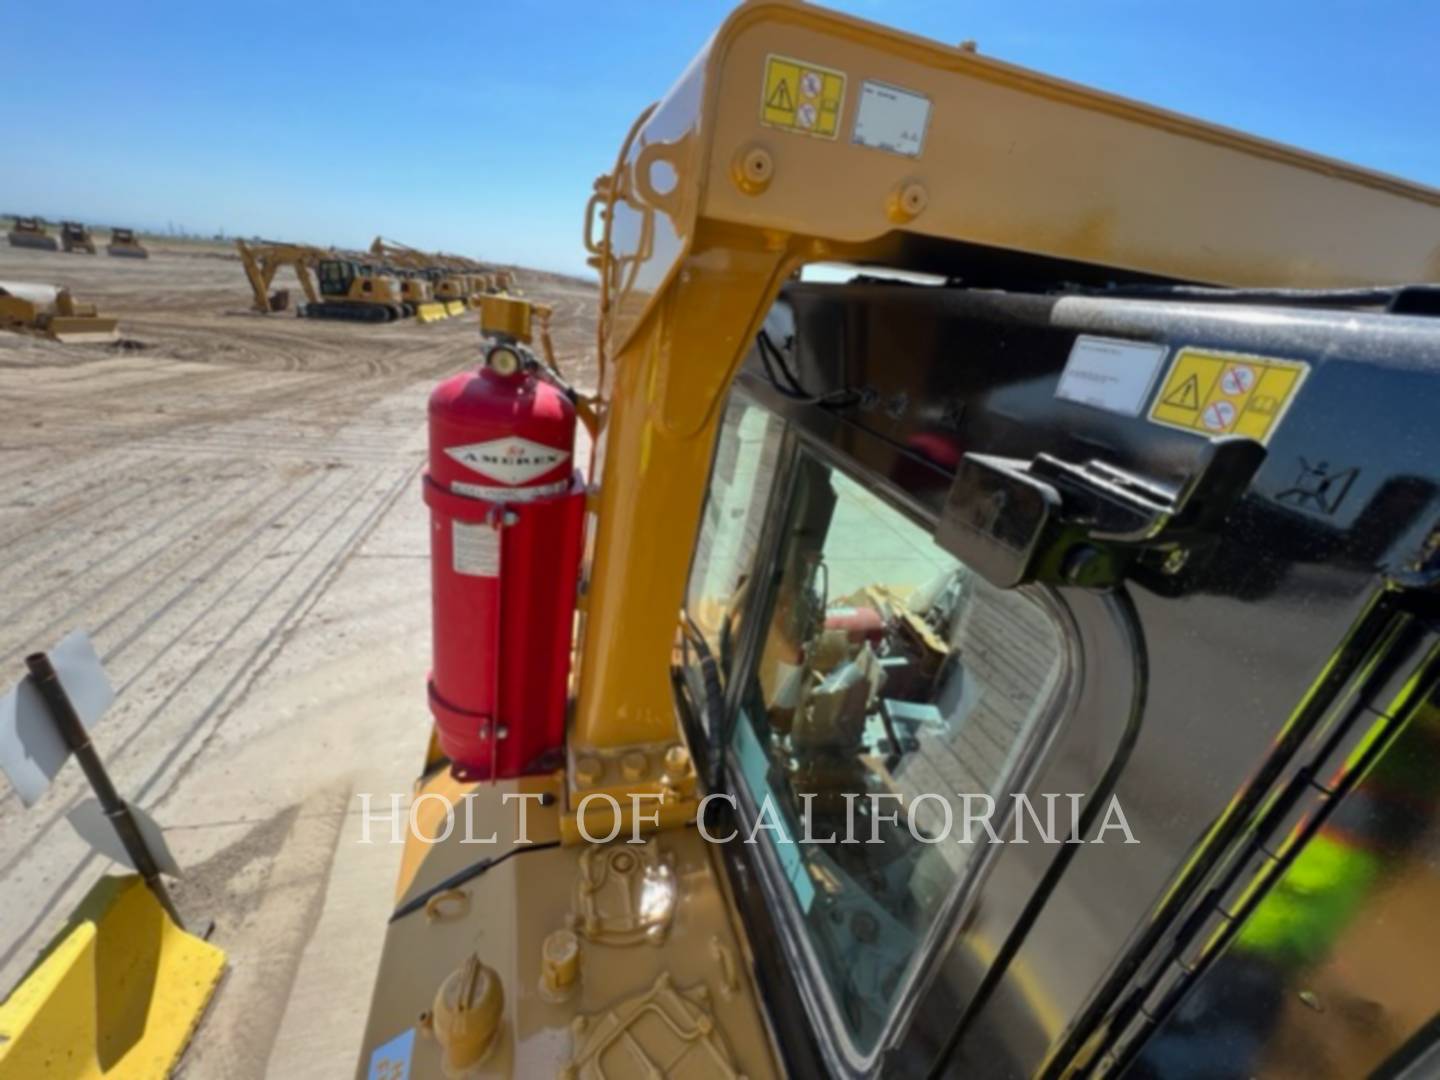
x: 1105, y: 476
x: 417, y: 290
x: 356, y: 290
x: 50, y: 311
x: 336, y: 286
x: 451, y: 288
x: 124, y: 243
x: 75, y: 237
x: 463, y: 278
x: 263, y: 259
x: 30, y: 232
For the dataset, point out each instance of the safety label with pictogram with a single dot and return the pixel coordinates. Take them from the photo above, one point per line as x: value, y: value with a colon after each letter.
x: 1220, y: 393
x: 802, y: 97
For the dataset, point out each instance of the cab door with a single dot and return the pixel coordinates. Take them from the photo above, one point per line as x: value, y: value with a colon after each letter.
x: 1189, y: 604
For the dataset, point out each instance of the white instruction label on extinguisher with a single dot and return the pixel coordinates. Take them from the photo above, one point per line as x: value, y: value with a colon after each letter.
x: 491, y: 493
x: 475, y: 549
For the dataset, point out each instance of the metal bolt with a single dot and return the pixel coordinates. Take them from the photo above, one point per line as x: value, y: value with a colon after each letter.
x: 634, y: 765
x: 588, y: 771
x: 752, y: 169
x: 907, y: 202
x: 677, y: 761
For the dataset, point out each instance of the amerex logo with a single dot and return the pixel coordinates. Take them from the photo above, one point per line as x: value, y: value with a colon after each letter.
x: 510, y: 461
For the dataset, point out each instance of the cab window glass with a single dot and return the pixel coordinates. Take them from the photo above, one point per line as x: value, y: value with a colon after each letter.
x: 887, y: 668
x: 742, y: 477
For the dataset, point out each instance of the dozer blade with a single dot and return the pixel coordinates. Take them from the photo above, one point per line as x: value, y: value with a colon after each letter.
x: 118, y: 994
x: 81, y: 329
x: 456, y: 307
x: 431, y: 312
x: 44, y: 243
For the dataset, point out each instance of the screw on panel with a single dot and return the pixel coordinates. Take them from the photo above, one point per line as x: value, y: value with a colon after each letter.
x: 752, y: 169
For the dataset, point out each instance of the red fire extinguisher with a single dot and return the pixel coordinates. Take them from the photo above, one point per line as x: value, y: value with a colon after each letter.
x: 506, y: 519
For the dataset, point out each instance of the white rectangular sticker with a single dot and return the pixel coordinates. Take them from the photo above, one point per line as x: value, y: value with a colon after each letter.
x: 475, y: 549
x: 1110, y: 373
x: 889, y: 118
x: 491, y: 493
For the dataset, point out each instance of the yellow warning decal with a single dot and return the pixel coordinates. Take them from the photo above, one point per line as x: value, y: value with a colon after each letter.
x: 802, y: 97
x: 1221, y: 393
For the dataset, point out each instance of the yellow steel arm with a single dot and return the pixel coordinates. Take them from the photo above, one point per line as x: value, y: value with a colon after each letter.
x: 262, y: 260
x: 401, y: 254
x: 710, y: 208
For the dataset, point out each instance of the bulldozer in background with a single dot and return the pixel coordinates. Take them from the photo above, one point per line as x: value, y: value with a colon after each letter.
x: 75, y: 237
x: 30, y: 232
x: 980, y: 512
x: 124, y: 244
x: 50, y: 311
x: 418, y: 292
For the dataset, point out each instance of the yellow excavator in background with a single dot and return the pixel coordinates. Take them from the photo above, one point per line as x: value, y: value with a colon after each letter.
x: 417, y: 294
x: 449, y: 289
x: 1108, y: 402
x: 452, y: 288
x: 336, y: 286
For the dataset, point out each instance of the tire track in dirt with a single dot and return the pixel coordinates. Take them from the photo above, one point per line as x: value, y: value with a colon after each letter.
x: 243, y: 678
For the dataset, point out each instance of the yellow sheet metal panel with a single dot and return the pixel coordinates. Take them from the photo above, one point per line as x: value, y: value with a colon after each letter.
x: 505, y: 315
x: 656, y: 455
x: 118, y: 996
x: 1007, y: 157
x: 1015, y: 159
x: 578, y: 939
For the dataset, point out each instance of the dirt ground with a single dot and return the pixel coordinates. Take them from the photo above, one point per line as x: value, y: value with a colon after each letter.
x: 229, y: 503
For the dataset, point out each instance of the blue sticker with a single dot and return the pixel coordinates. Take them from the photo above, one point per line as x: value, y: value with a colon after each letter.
x: 392, y: 1061
x: 755, y: 767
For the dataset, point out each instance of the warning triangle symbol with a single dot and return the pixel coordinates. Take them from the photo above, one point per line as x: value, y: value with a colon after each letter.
x: 780, y: 98
x: 1186, y: 395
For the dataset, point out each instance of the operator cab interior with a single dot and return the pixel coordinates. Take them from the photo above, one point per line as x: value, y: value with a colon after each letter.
x: 867, y: 675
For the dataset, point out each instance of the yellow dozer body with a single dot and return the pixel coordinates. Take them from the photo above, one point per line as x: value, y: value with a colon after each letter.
x: 124, y: 244
x: 417, y: 295
x: 29, y: 232
x: 50, y: 311
x: 75, y: 237
x: 451, y: 289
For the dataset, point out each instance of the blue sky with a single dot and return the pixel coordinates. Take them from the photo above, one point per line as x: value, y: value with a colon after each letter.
x: 479, y: 126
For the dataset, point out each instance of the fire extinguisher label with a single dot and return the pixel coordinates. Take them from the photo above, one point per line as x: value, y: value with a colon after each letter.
x: 510, y: 460
x: 475, y: 549
x: 491, y: 493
